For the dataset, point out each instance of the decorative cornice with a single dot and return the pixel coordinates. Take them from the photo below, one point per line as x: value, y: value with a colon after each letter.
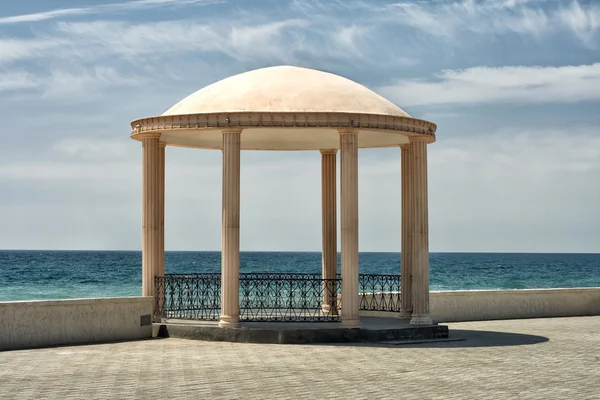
x: 209, y: 121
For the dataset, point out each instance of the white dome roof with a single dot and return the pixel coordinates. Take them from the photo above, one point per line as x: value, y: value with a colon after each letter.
x: 284, y: 108
x: 286, y: 89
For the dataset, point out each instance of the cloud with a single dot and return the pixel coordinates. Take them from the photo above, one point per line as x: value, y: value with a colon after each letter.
x: 99, y: 9
x: 99, y: 40
x: 17, y: 80
x: 88, y: 83
x: 85, y: 149
x: 72, y: 84
x: 506, y: 190
x: 12, y: 49
x: 351, y: 36
x: 520, y: 84
x: 449, y: 19
x: 81, y: 56
x: 583, y: 21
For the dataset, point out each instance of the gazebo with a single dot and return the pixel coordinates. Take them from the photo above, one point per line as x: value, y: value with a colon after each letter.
x: 290, y: 108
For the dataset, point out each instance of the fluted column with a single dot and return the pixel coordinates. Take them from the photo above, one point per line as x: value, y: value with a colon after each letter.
x: 420, y: 232
x: 230, y: 235
x: 406, y: 259
x: 349, y: 222
x: 161, y: 208
x: 160, y: 265
x: 329, y: 230
x: 150, y: 212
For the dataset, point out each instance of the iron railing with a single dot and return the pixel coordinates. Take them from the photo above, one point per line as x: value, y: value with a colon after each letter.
x: 279, y: 297
x: 189, y: 296
x: 273, y: 297
x: 379, y: 292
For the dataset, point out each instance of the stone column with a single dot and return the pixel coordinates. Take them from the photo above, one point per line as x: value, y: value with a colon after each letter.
x: 420, y: 232
x: 150, y: 212
x: 161, y: 208
x: 349, y: 222
x: 329, y: 230
x: 230, y: 235
x: 160, y: 265
x: 406, y: 261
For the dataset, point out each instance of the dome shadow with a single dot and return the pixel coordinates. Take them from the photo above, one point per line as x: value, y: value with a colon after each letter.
x: 464, y: 338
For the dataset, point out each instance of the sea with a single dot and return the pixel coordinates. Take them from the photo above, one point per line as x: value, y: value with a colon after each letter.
x: 36, y: 275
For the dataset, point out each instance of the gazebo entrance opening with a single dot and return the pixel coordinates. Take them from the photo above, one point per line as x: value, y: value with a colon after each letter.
x: 289, y: 108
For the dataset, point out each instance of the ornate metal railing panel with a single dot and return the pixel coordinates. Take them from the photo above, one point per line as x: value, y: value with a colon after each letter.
x: 288, y: 298
x: 379, y: 292
x: 274, y: 297
x: 189, y: 296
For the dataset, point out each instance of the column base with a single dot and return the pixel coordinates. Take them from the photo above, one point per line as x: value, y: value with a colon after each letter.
x: 404, y: 314
x: 228, y: 322
x: 421, y: 320
x: 350, y: 323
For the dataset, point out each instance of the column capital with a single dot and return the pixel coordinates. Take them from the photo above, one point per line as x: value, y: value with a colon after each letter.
x: 405, y: 146
x: 347, y: 131
x: 148, y: 135
x: 232, y: 130
x: 162, y: 144
x: 420, y: 138
x: 328, y: 151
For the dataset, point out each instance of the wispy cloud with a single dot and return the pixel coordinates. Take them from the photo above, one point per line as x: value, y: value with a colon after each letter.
x: 15, y: 49
x: 78, y: 53
x: 73, y: 84
x: 518, y: 84
x: 98, y: 9
x: 450, y: 18
x: 83, y: 149
x: 17, y: 80
x: 583, y: 21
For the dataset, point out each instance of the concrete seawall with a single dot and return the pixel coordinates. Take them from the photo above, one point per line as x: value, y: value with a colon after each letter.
x: 30, y: 324
x: 481, y: 305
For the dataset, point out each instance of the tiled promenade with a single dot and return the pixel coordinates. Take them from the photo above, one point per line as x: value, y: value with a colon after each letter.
x: 531, y: 359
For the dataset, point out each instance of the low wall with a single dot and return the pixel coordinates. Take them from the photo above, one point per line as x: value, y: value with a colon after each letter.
x: 30, y: 324
x: 481, y: 305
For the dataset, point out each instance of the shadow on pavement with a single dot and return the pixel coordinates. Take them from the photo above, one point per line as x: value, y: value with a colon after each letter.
x: 474, y: 338
x: 462, y: 338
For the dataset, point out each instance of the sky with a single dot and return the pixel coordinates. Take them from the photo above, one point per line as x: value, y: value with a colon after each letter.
x: 513, y: 85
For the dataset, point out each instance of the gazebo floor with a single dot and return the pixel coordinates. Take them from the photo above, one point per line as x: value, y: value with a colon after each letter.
x: 372, y: 329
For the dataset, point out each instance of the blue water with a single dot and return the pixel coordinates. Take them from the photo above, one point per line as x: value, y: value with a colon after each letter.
x: 27, y: 275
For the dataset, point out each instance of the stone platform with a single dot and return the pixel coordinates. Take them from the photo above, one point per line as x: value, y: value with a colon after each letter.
x: 372, y: 329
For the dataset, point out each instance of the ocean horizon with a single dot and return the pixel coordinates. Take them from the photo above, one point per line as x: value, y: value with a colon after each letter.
x: 63, y: 274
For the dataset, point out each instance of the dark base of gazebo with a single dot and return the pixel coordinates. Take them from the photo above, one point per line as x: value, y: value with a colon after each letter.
x: 372, y: 329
